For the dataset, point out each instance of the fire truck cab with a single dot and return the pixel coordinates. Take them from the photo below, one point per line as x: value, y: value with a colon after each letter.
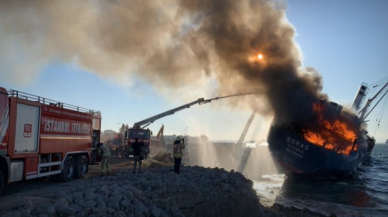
x: 42, y: 137
x: 144, y: 137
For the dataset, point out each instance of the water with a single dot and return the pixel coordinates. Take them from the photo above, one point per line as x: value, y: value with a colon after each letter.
x: 365, y: 193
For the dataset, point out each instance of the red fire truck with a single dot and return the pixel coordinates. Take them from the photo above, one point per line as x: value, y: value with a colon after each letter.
x: 41, y: 137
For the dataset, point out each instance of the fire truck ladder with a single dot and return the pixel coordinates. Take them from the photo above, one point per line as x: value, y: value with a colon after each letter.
x: 246, y: 151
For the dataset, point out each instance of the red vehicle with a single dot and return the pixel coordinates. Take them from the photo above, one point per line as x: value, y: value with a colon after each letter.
x: 143, y: 135
x: 41, y: 137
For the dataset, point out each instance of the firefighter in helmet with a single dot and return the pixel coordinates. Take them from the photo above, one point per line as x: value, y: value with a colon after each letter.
x: 179, y: 144
x: 105, y: 162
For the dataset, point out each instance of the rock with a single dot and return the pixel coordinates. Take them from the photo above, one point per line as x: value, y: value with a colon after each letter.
x: 176, y: 214
x: 90, y: 190
x: 26, y: 213
x: 77, y: 196
x: 80, y: 214
x: 64, y: 195
x: 99, y: 199
x: 113, y: 205
x: 124, y: 203
x: 117, y: 195
x: 50, y: 210
x: 155, y: 212
x: 119, y: 214
x: 135, y: 192
x: 82, y: 204
x: 96, y: 209
x: 89, y: 196
x: 224, y: 177
x: 29, y: 204
x: 90, y: 204
x: 129, y: 195
x: 110, y: 210
x: 225, y: 187
x: 67, y: 211
x: 12, y: 214
x: 76, y: 207
x: 60, y: 203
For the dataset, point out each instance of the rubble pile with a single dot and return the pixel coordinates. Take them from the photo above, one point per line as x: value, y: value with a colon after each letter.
x: 161, y: 159
x: 157, y: 192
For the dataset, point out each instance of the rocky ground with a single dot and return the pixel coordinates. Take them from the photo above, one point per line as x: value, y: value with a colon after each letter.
x: 157, y: 192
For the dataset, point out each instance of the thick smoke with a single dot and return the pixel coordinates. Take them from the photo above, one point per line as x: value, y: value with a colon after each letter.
x: 170, y: 44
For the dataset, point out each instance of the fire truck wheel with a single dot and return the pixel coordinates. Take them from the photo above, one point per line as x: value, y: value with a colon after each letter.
x: 68, y: 170
x: 81, y: 167
x: 1, y: 180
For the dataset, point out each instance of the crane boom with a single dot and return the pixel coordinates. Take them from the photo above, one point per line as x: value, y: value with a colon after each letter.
x: 144, y: 123
x: 139, y: 132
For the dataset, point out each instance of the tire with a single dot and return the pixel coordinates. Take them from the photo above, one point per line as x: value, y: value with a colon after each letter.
x: 68, y: 170
x: 2, y: 181
x: 81, y: 167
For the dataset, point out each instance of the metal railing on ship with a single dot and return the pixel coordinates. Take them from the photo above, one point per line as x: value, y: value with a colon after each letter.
x: 30, y: 97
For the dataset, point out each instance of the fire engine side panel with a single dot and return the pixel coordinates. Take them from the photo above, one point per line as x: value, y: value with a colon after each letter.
x: 27, y: 128
x: 64, y: 144
x: 64, y: 130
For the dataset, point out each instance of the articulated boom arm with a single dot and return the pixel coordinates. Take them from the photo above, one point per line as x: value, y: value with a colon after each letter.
x: 144, y: 123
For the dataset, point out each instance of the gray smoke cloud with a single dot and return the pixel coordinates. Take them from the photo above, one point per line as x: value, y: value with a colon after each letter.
x: 169, y: 43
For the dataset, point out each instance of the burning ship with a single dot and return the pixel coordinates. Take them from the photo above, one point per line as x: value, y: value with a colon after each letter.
x: 333, y: 145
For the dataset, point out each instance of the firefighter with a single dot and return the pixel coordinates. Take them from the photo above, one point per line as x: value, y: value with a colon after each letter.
x: 137, y: 154
x: 105, y: 162
x: 179, y: 144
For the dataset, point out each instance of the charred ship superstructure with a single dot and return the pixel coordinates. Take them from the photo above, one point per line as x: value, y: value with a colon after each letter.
x: 301, y: 152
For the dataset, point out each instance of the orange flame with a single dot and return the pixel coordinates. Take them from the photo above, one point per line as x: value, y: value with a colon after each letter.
x: 331, y: 135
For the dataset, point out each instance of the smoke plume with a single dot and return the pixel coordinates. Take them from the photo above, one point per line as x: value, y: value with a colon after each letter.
x: 169, y: 43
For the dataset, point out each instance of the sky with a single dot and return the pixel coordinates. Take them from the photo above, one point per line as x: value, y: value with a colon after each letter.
x: 345, y: 41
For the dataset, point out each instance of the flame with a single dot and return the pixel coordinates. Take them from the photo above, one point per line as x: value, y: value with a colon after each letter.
x: 260, y: 56
x: 332, y: 135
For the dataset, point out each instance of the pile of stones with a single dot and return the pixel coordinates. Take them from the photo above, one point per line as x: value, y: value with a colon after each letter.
x: 157, y: 192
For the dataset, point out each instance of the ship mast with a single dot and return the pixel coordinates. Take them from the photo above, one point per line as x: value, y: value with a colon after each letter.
x: 364, y: 110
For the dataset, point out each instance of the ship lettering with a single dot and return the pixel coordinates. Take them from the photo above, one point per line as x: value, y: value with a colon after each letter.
x: 297, y: 143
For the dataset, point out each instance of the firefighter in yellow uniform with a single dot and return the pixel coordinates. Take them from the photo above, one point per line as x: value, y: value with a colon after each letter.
x: 105, y: 162
x: 179, y: 144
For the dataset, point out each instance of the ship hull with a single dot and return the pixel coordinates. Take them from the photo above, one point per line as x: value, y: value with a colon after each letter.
x: 297, y: 156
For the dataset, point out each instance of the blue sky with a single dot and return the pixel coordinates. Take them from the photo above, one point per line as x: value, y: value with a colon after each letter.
x: 346, y: 41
